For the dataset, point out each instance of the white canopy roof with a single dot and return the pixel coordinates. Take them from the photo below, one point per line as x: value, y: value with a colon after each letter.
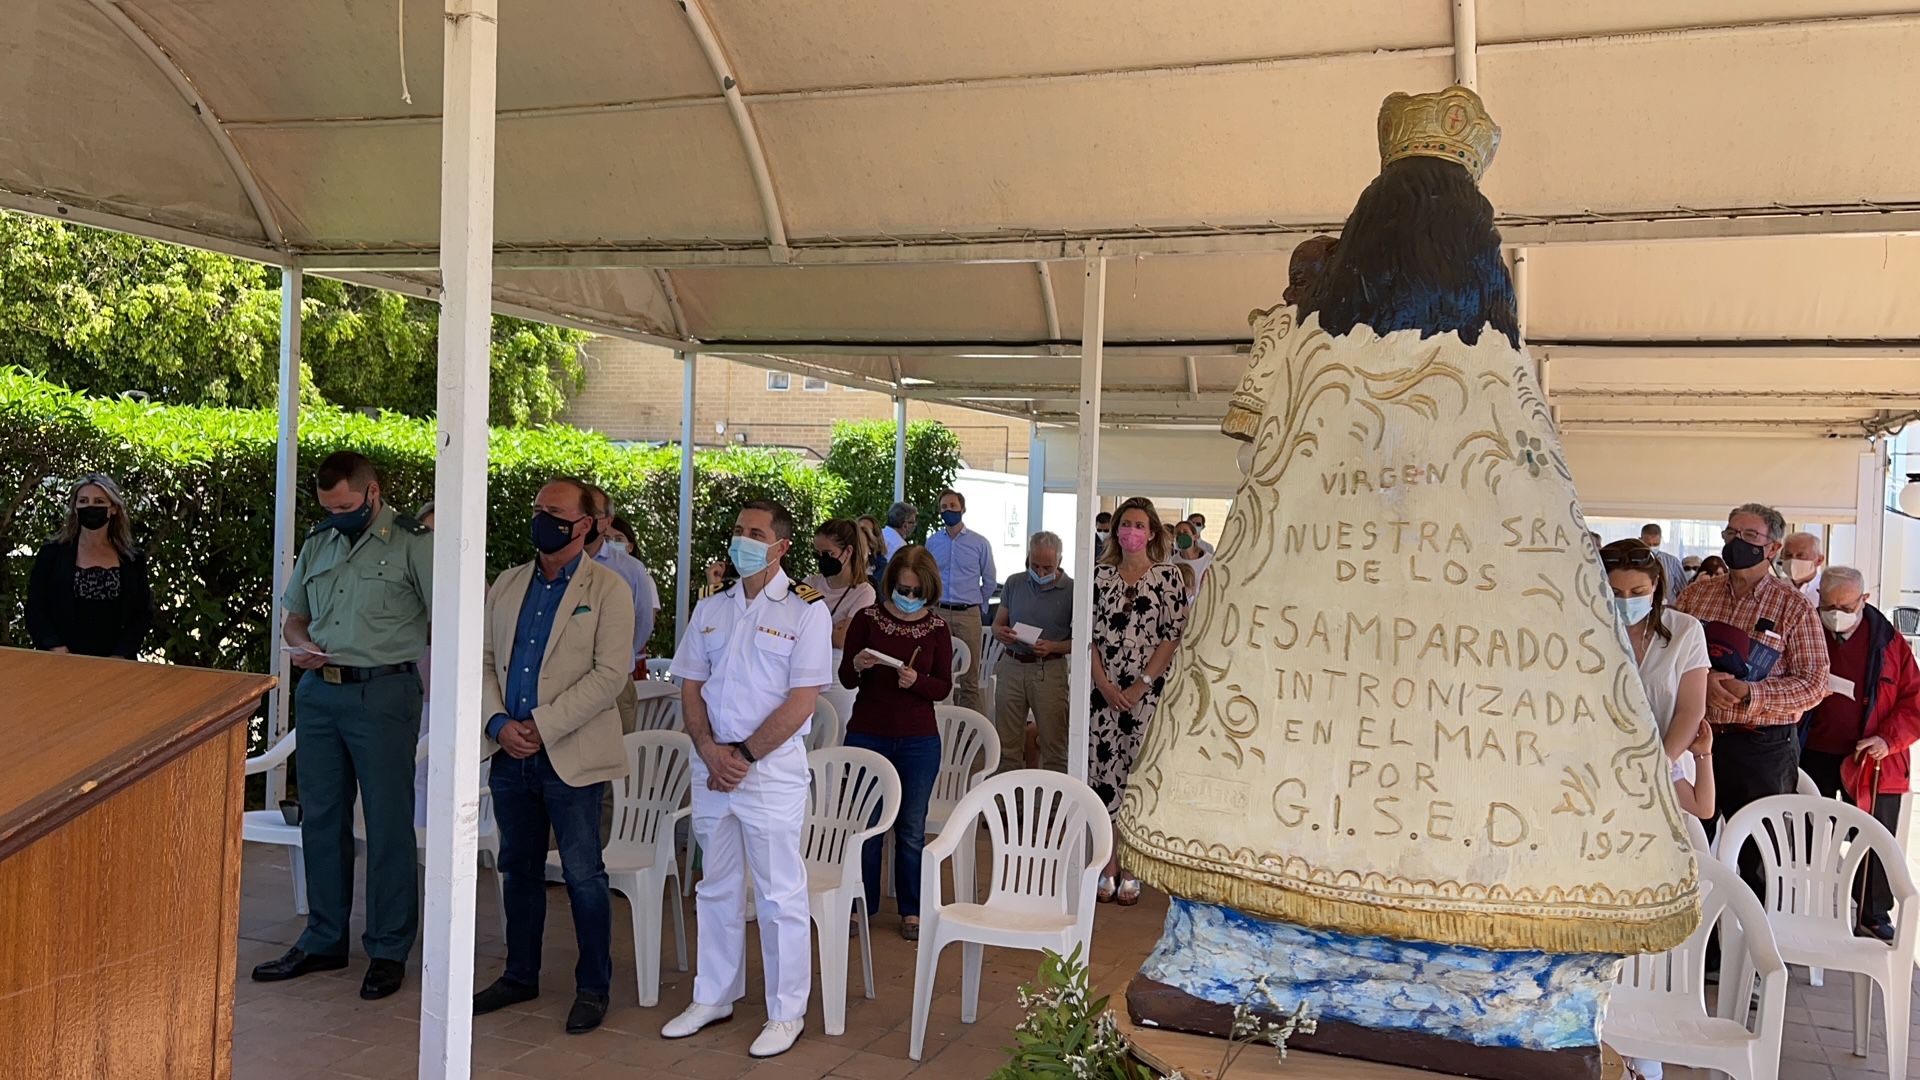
x: 1716, y: 200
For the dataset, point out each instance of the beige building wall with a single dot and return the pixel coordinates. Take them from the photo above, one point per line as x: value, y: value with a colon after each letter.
x: 633, y: 392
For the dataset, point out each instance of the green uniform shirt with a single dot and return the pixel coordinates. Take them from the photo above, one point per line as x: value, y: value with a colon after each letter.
x: 370, y: 601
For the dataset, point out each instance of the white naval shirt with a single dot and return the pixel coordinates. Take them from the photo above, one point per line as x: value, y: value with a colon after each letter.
x: 752, y: 654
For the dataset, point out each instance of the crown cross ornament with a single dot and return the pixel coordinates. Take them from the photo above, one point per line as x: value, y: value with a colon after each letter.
x: 1451, y: 124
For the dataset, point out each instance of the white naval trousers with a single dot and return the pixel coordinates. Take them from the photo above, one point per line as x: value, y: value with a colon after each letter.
x: 755, y: 828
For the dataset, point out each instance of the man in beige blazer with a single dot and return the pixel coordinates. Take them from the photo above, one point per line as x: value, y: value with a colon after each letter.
x: 558, y: 649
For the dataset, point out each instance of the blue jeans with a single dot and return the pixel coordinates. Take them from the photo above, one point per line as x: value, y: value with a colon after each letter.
x: 528, y: 797
x: 917, y: 759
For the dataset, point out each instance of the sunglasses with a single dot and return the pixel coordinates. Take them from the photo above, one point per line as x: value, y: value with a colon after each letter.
x: 1627, y: 560
x: 911, y: 592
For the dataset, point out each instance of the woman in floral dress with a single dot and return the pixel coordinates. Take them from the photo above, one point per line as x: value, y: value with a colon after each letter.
x: 1139, y: 608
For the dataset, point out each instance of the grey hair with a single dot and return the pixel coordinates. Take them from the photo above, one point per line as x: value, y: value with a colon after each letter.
x: 900, y: 513
x: 1833, y: 575
x: 1776, y: 525
x: 1044, y: 539
x: 1817, y: 546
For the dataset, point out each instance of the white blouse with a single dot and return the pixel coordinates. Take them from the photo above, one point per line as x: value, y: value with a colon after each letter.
x: 1667, y: 661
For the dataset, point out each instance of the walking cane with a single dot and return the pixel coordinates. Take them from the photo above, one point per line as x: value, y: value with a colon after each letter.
x: 1873, y: 802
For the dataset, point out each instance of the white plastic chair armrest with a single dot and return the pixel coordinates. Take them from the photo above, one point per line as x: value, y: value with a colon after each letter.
x: 945, y: 843
x: 276, y: 755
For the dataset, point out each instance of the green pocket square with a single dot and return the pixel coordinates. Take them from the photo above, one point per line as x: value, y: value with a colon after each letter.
x: 582, y: 609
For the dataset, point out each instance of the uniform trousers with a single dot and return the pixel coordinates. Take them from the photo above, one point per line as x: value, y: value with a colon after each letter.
x: 358, y: 736
x: 754, y: 828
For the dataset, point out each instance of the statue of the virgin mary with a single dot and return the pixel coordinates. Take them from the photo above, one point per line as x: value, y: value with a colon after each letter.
x: 1404, y: 767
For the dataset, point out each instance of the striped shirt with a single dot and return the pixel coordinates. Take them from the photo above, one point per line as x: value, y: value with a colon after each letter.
x: 1798, y: 681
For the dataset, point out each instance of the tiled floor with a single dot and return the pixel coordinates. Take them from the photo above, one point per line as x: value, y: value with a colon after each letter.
x: 318, y: 1027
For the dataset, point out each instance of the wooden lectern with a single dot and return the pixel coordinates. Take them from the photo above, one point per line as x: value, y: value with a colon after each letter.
x: 120, y: 797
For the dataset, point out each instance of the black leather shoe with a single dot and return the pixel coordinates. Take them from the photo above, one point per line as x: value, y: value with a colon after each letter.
x: 500, y: 995
x: 587, y: 1012
x: 295, y: 964
x: 383, y: 978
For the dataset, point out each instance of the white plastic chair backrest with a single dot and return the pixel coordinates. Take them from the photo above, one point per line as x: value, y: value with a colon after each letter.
x: 487, y: 829
x: 1810, y: 849
x: 659, y: 714
x: 1805, y: 785
x: 1050, y: 838
x: 273, y: 757
x: 993, y: 652
x: 825, y: 732
x: 661, y: 669
x: 1697, y: 835
x: 1679, y: 974
x: 659, y: 777
x: 855, y: 795
x: 969, y: 752
x: 962, y: 657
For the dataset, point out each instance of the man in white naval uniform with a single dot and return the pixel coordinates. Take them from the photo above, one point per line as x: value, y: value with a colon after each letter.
x: 751, y: 664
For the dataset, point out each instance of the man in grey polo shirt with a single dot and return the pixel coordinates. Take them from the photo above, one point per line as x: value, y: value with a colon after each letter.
x: 1034, y: 677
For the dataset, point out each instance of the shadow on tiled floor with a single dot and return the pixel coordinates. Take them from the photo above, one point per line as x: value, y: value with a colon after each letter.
x: 318, y: 1027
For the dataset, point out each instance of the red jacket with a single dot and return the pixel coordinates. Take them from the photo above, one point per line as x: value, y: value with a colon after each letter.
x: 1890, y: 699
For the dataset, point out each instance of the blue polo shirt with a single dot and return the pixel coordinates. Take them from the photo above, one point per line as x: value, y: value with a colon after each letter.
x: 530, y: 634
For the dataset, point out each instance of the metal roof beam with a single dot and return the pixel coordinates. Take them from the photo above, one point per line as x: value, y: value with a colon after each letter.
x: 750, y: 144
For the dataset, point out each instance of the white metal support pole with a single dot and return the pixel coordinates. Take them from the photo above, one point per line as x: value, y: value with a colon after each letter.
x: 899, y: 449
x: 286, y: 486
x: 1037, y: 485
x: 1466, y: 45
x: 1870, y: 516
x: 1093, y: 323
x: 683, y: 589
x: 460, y: 539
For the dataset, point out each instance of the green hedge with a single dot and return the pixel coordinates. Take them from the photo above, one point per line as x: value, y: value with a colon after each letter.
x: 862, y: 454
x: 200, y: 485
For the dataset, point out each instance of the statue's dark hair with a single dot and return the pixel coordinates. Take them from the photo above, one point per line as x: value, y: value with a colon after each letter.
x: 1419, y: 252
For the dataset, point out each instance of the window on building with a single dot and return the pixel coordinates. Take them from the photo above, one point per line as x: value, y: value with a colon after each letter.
x: 779, y: 380
x: 811, y: 383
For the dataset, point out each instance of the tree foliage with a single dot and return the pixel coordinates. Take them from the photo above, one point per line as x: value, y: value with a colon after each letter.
x: 109, y: 314
x: 862, y: 454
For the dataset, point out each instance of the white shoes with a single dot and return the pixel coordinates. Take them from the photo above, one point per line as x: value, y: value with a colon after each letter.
x: 696, y: 1017
x: 777, y: 1038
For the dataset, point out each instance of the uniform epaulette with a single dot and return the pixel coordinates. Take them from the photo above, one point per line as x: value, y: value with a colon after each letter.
x: 808, y: 593
x: 411, y: 524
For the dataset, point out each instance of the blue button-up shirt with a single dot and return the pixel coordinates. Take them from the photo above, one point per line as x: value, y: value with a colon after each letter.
x: 530, y: 634
x: 966, y: 566
x: 646, y: 596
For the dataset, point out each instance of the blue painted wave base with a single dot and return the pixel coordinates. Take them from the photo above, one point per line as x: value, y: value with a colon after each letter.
x: 1525, y: 1000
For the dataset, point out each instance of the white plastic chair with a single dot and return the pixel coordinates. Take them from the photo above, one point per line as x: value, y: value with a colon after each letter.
x: 1697, y: 835
x: 659, y: 714
x: 1659, y: 1009
x: 269, y: 826
x: 647, y: 802
x: 1050, y: 838
x: 487, y: 833
x: 661, y: 669
x: 969, y: 753
x: 855, y: 797
x: 962, y: 657
x: 827, y: 729
x: 1804, y: 785
x: 1810, y: 850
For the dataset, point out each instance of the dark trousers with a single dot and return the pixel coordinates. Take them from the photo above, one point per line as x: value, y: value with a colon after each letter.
x: 917, y: 759
x: 1825, y: 771
x: 529, y: 799
x: 358, y: 737
x: 1749, y: 766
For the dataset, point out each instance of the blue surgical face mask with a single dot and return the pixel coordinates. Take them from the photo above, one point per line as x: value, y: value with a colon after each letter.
x: 1633, y: 609
x: 749, y: 555
x: 950, y: 518
x: 1042, y: 581
x: 908, y: 604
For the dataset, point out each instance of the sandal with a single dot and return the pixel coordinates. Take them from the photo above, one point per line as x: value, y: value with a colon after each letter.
x: 910, y: 930
x: 1105, y: 894
x: 1128, y: 894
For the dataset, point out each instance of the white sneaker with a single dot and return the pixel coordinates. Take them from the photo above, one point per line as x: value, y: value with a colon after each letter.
x: 777, y: 1038
x: 696, y: 1017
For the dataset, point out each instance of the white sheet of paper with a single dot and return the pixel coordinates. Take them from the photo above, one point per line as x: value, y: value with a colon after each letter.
x: 1026, y: 634
x: 883, y: 658
x: 302, y: 649
x: 1843, y: 687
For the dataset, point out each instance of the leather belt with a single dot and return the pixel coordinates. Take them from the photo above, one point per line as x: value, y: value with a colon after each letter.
x: 1034, y: 659
x: 958, y: 607
x: 337, y: 674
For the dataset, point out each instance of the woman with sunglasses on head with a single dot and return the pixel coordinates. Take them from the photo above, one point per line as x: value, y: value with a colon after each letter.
x: 89, y: 592
x: 899, y: 656
x: 841, y: 553
x: 1670, y: 646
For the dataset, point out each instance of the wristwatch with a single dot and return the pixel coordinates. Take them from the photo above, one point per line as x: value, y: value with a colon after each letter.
x: 744, y: 752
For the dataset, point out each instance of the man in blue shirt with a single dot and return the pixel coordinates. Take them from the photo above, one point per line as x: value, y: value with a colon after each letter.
x: 967, y: 581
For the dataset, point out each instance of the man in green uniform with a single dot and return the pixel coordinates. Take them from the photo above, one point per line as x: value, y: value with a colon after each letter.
x: 357, y: 612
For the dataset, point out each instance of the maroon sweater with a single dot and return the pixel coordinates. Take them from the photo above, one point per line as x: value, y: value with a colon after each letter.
x: 882, y: 708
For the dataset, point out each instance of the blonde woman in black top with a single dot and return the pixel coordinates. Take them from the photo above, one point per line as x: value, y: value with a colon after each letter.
x: 89, y: 592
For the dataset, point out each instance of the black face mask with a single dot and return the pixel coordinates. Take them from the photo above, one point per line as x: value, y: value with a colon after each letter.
x: 550, y: 534
x: 92, y: 517
x: 352, y: 522
x: 1740, y: 555
x: 829, y: 565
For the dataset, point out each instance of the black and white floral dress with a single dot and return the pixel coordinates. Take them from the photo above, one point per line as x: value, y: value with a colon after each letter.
x: 1129, y: 623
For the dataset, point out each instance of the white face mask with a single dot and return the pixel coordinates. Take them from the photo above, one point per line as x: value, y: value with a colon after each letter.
x: 1801, y: 570
x: 616, y: 543
x: 1840, y: 622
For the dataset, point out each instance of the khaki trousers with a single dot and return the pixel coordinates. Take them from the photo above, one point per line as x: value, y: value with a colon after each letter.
x: 1039, y: 688
x: 965, y: 626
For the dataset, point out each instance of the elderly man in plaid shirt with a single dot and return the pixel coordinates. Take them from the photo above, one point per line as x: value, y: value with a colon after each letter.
x: 1756, y: 749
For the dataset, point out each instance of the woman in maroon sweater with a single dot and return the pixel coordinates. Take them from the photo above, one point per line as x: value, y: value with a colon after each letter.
x: 893, y: 713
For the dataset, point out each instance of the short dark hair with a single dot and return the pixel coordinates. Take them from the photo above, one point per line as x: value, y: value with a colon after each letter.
x: 1102, y: 518
x: 602, y: 503
x: 356, y: 469
x: 1650, y: 529
x: 585, y: 489
x: 962, y: 498
x: 625, y: 528
x: 1197, y: 518
x: 782, y: 520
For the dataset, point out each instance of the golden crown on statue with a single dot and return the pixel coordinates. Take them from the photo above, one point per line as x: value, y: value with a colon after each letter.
x: 1450, y: 124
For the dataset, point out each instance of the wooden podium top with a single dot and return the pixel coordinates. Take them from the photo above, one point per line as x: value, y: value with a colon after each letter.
x: 80, y: 728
